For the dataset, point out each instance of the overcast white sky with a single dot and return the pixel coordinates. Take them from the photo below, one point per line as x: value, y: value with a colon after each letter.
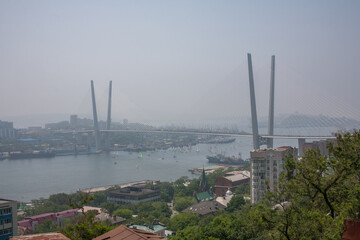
x: 178, y: 60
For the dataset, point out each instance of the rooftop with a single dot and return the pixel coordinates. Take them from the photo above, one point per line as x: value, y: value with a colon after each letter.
x: 224, y: 200
x: 278, y: 149
x: 244, y: 172
x: 237, y: 177
x: 205, y: 207
x: 89, y: 208
x: 155, y: 228
x: 122, y: 233
x: 132, y: 191
x: 43, y: 236
x: 204, y: 196
x: 4, y: 201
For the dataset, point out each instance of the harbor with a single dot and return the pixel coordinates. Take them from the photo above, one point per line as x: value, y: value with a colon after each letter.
x: 40, y: 177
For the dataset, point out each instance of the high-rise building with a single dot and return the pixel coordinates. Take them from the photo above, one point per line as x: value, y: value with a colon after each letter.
x: 73, y: 121
x: 319, y: 145
x: 266, y: 167
x: 7, y: 130
x: 8, y: 219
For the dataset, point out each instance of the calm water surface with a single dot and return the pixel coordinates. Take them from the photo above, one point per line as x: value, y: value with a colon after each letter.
x: 26, y: 179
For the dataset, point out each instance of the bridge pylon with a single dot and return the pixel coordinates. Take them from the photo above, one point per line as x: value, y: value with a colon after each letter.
x: 108, y: 122
x: 96, y: 124
x: 257, y: 139
x: 270, y: 142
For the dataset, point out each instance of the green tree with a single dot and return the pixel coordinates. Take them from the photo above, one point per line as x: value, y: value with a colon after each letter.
x: 180, y: 203
x: 243, y: 189
x: 182, y: 220
x: 235, y: 203
x: 124, y: 213
x: 166, y: 191
x: 47, y: 226
x: 99, y: 198
x: 109, y: 207
x: 84, y: 227
x: 316, y: 193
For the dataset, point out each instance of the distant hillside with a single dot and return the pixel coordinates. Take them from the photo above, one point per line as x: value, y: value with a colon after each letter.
x: 298, y: 120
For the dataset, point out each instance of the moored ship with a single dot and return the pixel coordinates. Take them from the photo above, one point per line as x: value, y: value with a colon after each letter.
x: 32, y: 154
x: 221, y: 158
x: 221, y: 140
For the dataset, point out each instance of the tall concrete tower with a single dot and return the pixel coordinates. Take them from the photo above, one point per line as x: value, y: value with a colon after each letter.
x: 96, y: 124
x: 108, y: 122
x: 270, y: 141
x: 254, y: 121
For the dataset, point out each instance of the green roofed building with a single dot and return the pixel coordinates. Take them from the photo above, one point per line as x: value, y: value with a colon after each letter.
x: 204, y: 196
x: 205, y: 193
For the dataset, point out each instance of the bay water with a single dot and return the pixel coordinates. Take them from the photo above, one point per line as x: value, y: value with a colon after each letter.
x: 27, y: 179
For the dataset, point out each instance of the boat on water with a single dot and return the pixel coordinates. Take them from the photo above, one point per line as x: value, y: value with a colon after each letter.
x: 221, y: 140
x: 222, y: 159
x: 32, y: 154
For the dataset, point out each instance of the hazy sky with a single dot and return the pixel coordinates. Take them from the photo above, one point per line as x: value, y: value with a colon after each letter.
x: 178, y: 61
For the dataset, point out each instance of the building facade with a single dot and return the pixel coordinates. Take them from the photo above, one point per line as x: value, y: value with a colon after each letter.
x: 7, y: 130
x: 8, y: 219
x: 133, y: 195
x: 319, y: 145
x: 31, y: 224
x: 223, y: 184
x: 266, y: 167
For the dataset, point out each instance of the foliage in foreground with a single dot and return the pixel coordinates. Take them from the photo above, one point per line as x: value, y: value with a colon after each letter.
x: 314, y: 197
x: 84, y: 226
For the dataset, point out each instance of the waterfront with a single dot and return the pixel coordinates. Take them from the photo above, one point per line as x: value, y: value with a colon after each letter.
x: 28, y: 179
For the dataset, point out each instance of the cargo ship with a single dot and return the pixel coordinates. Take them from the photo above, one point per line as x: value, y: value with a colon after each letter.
x: 222, y: 159
x: 221, y: 140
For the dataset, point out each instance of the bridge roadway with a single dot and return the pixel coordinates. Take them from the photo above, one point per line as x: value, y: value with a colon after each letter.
x: 211, y: 133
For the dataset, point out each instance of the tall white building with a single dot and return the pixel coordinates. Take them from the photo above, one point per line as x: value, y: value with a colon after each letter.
x: 8, y: 219
x: 266, y: 166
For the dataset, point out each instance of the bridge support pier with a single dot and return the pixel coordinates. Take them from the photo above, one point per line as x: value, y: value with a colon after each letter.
x: 301, y: 142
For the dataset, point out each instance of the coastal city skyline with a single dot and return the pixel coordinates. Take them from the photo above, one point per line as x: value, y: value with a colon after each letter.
x: 179, y: 119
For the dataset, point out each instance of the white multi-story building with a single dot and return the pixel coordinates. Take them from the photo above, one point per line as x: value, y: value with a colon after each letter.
x: 266, y: 166
x: 8, y: 219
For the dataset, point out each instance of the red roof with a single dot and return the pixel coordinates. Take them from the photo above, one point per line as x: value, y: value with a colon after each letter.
x: 24, y: 223
x: 125, y: 233
x: 43, y: 236
x: 351, y: 230
x: 67, y: 213
x: 42, y: 217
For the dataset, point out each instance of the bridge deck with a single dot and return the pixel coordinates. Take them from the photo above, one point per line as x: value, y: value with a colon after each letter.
x: 209, y: 133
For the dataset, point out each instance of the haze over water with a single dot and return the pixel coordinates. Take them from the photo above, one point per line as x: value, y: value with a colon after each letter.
x: 27, y: 179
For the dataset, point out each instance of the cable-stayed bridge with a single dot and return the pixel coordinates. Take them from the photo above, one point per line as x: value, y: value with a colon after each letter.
x: 258, y: 139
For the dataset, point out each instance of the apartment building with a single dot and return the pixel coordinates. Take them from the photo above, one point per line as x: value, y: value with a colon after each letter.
x: 266, y: 167
x: 8, y: 219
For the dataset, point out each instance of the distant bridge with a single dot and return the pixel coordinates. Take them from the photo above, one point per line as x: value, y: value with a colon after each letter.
x: 228, y: 134
x: 258, y: 139
x: 220, y: 134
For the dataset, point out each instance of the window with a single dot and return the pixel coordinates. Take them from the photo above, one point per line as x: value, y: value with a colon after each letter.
x: 5, y: 221
x: 5, y: 231
x: 5, y: 211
